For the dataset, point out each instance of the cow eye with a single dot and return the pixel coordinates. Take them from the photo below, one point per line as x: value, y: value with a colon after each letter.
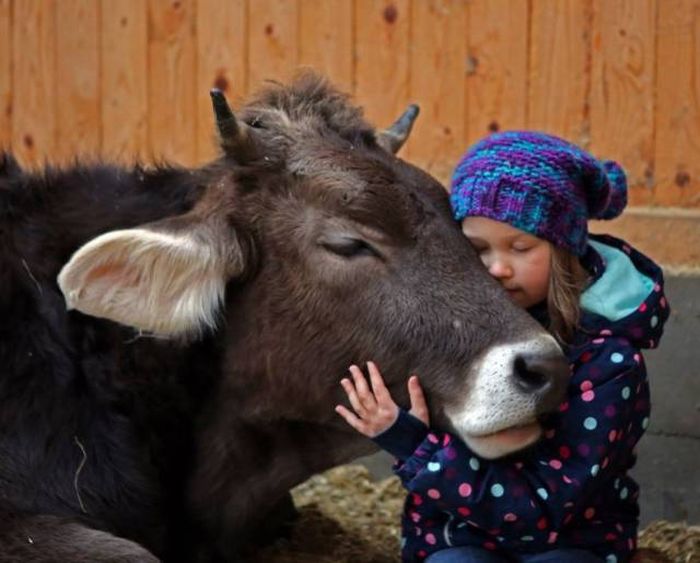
x: 348, y: 247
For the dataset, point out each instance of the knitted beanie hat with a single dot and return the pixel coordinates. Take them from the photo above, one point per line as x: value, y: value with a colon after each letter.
x: 540, y: 184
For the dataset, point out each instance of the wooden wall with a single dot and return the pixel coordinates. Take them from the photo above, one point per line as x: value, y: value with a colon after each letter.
x: 128, y: 78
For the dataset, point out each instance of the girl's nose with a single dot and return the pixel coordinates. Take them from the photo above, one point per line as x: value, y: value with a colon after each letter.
x: 500, y: 269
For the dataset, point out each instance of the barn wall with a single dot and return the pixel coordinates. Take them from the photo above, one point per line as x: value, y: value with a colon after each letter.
x: 125, y: 77
x: 130, y: 78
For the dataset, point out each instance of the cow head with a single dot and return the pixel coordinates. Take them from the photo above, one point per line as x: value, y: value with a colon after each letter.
x: 313, y: 247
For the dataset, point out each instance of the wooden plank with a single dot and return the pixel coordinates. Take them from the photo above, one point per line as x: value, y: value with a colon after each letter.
x: 677, y: 149
x: 437, y: 80
x: 273, y: 40
x: 326, y: 39
x: 124, y: 97
x: 5, y: 75
x: 669, y: 236
x: 496, y: 67
x: 171, y: 85
x: 382, y: 58
x: 622, y: 90
x: 33, y: 80
x: 221, y: 63
x: 77, y: 90
x: 559, y: 77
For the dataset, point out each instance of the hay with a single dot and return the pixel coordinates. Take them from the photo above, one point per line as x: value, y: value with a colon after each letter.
x: 677, y: 541
x: 346, y: 517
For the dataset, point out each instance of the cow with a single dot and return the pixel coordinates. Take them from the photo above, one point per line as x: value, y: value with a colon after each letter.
x: 172, y: 339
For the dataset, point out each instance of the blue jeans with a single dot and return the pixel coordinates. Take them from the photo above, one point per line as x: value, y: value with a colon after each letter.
x: 468, y: 554
x: 563, y: 556
x: 465, y: 554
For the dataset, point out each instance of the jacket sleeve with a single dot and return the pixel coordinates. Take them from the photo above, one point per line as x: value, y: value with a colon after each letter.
x: 403, y: 437
x: 532, y: 495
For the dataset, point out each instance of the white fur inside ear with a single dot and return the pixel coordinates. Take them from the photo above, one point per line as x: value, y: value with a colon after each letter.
x: 157, y: 282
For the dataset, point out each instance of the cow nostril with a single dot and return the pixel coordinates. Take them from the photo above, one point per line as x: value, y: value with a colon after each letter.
x: 527, y: 377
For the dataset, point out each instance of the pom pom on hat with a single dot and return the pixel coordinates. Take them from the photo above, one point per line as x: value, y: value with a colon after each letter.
x: 615, y: 190
x: 540, y: 184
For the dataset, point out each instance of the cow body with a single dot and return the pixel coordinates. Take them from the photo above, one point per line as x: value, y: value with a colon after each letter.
x: 96, y: 421
x: 241, y: 292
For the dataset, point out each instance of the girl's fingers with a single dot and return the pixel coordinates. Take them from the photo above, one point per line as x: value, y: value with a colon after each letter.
x: 364, y: 393
x: 352, y: 420
x: 380, y: 391
x: 349, y: 389
x: 419, y: 407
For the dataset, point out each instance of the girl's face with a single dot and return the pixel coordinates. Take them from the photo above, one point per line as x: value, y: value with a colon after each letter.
x: 520, y: 261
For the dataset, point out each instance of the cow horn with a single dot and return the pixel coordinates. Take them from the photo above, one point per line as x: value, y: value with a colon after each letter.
x: 233, y: 133
x: 393, y: 138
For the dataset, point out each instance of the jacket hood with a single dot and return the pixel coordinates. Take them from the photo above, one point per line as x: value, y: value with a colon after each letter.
x: 626, y: 298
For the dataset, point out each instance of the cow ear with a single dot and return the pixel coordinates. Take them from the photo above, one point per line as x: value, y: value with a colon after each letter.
x: 164, y: 281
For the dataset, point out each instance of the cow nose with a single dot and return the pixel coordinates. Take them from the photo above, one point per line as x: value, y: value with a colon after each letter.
x: 540, y: 373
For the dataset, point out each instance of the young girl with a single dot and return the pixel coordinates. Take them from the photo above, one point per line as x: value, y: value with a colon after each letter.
x: 524, y: 200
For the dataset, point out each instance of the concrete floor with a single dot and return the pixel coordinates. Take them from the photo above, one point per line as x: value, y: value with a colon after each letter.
x: 668, y: 466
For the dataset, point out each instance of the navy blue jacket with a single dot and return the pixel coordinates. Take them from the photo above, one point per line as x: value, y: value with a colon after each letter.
x: 571, y: 489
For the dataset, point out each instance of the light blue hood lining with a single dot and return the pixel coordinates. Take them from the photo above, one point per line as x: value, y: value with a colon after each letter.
x: 620, y: 290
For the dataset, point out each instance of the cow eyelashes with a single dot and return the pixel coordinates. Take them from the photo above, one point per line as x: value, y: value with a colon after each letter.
x: 349, y: 247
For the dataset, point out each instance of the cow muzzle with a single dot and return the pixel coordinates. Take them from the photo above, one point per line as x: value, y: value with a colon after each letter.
x: 507, y: 389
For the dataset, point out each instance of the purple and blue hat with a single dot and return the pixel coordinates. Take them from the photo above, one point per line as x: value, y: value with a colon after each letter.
x: 540, y: 184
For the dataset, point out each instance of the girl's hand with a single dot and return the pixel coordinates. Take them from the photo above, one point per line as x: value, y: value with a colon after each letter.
x: 375, y: 410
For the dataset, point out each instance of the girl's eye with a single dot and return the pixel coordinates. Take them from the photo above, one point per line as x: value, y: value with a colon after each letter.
x: 521, y: 248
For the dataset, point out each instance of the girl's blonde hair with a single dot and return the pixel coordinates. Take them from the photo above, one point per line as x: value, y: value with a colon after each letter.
x: 568, y: 279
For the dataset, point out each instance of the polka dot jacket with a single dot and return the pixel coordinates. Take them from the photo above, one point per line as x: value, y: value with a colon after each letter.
x: 571, y: 489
